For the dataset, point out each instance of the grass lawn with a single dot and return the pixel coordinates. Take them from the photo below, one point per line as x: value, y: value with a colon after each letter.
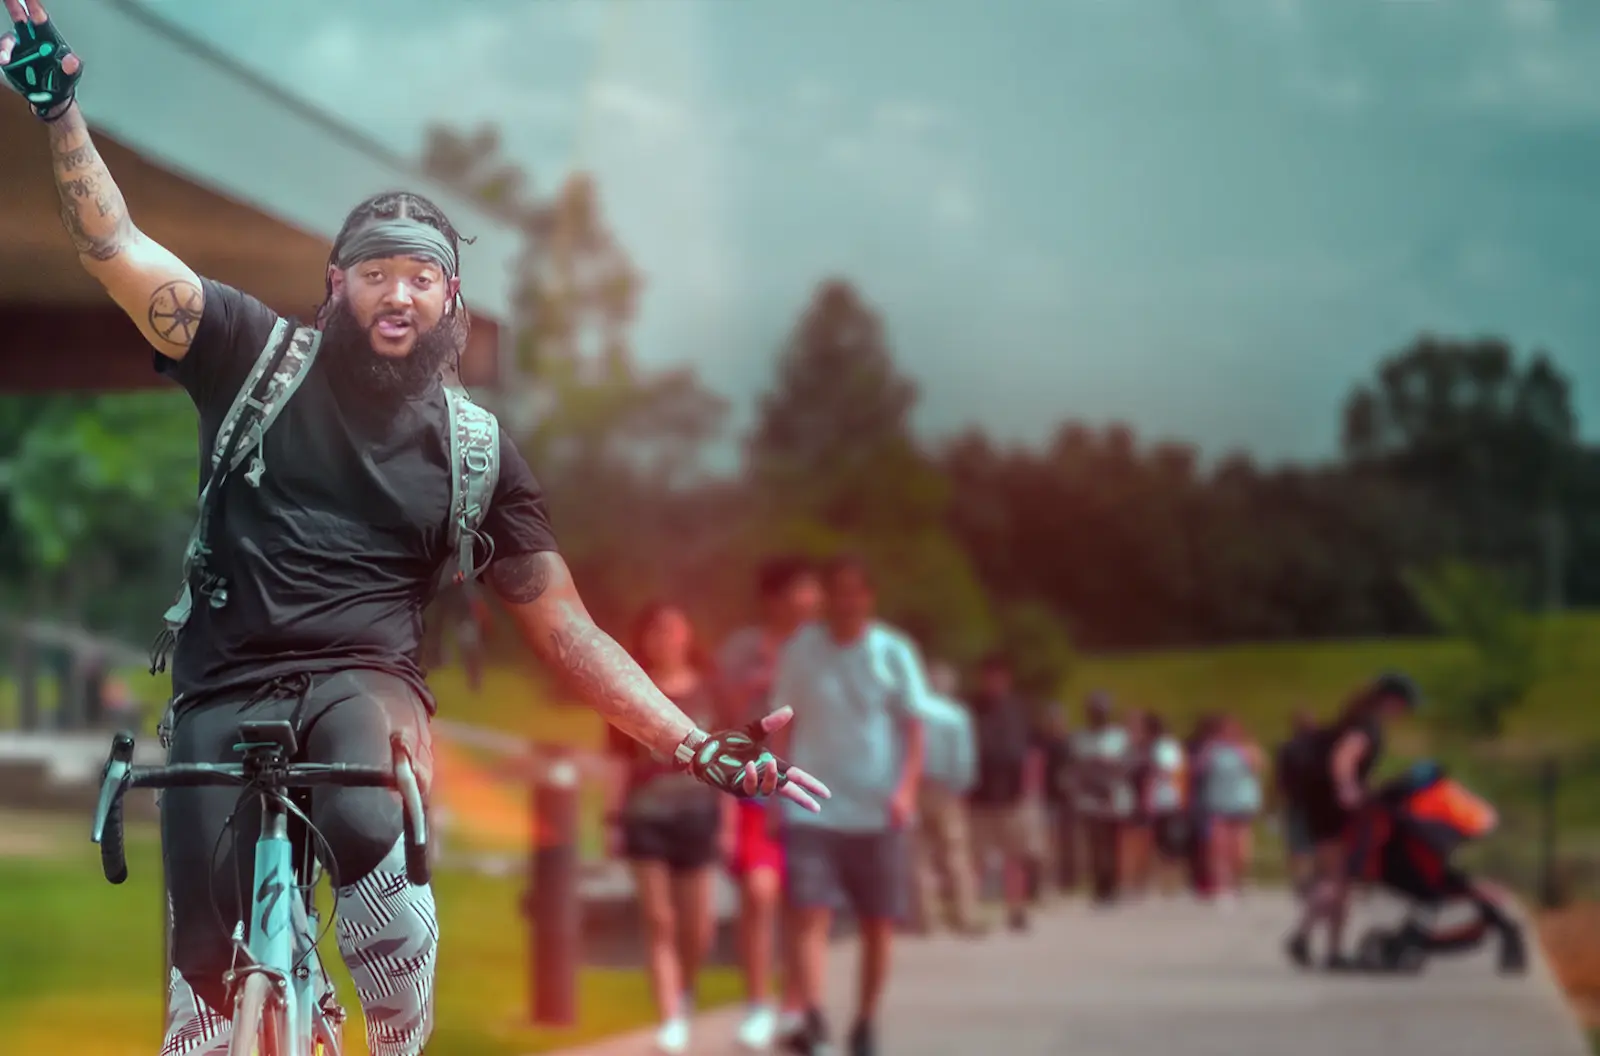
x: 82, y: 963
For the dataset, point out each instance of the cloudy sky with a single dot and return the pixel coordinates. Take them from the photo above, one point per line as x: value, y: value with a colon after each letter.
x: 1207, y: 217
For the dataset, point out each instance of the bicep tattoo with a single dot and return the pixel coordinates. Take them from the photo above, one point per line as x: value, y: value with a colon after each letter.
x: 175, y: 311
x: 522, y: 579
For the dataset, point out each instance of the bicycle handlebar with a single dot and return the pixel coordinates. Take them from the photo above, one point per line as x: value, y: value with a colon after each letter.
x: 120, y: 775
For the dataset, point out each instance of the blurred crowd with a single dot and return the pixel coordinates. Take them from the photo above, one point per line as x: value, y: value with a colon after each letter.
x: 946, y: 791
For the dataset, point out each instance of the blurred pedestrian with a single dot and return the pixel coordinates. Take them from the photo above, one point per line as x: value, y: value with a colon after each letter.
x: 855, y: 685
x: 669, y: 826
x: 942, y: 848
x: 1061, y: 813
x: 1292, y: 763
x: 1165, y: 804
x: 1136, y: 842
x: 1232, y: 791
x: 1009, y: 771
x: 789, y: 597
x: 1335, y: 788
x: 1197, y: 754
x: 1104, y: 798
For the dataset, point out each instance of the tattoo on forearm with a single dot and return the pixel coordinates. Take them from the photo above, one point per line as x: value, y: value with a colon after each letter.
x: 175, y: 311
x: 92, y: 208
x: 608, y: 680
x: 521, y: 579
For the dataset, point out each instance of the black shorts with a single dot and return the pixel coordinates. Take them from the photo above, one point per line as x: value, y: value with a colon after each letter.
x: 682, y: 842
x: 1172, y: 834
x: 1326, y: 819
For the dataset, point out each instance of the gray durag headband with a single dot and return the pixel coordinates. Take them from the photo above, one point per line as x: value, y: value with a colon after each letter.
x: 398, y: 238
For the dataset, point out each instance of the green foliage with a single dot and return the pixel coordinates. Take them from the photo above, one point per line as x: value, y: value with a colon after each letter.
x: 1040, y: 650
x: 833, y: 465
x: 98, y: 492
x: 616, y: 447
x: 1481, y: 608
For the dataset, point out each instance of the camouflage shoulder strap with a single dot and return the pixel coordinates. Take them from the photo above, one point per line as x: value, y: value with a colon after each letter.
x: 279, y: 369
x: 474, y: 473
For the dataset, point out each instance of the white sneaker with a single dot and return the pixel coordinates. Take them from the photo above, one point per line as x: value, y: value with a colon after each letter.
x: 759, y: 1028
x: 673, y: 1037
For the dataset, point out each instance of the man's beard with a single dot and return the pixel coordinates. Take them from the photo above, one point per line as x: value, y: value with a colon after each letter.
x: 360, y: 370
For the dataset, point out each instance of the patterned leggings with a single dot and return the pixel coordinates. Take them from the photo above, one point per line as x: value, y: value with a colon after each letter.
x: 388, y: 935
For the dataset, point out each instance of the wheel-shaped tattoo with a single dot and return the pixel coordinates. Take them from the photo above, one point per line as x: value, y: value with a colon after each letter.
x: 175, y: 312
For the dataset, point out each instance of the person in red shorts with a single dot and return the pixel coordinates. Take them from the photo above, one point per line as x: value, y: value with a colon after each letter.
x: 789, y: 595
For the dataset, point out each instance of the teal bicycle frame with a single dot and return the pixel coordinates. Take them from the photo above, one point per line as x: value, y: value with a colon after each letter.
x: 283, y: 1003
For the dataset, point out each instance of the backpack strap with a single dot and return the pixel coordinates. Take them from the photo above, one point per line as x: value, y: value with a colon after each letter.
x: 279, y: 369
x: 474, y: 473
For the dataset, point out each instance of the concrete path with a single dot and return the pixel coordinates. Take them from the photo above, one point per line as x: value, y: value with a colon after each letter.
x: 1178, y: 979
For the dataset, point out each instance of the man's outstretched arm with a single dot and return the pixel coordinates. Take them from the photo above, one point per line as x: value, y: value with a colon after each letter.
x: 159, y: 292
x: 544, y: 601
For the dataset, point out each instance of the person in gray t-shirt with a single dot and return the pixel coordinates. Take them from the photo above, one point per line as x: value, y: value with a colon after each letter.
x: 857, y: 689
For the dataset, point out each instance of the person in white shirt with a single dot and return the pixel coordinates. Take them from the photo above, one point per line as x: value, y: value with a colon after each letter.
x: 942, y: 846
x: 1165, y: 802
x: 857, y: 688
x: 1104, y: 793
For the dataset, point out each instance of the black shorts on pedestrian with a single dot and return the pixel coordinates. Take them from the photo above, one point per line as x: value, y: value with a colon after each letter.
x: 865, y: 872
x: 1172, y: 834
x: 1326, y: 819
x: 683, y: 842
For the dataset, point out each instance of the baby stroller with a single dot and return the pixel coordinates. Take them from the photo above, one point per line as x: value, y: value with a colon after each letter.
x: 1403, y: 841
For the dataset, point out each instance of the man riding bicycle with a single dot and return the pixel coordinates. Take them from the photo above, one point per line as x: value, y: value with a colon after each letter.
x: 321, y: 540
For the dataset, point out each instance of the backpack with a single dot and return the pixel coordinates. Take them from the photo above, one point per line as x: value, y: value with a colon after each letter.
x: 279, y: 369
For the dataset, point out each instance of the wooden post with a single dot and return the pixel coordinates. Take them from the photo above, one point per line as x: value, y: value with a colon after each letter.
x: 555, y: 910
x: 1550, y: 894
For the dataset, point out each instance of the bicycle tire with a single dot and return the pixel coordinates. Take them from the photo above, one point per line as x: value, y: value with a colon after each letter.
x: 258, y: 1027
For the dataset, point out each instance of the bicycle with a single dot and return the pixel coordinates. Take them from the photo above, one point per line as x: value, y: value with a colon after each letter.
x: 282, y: 1000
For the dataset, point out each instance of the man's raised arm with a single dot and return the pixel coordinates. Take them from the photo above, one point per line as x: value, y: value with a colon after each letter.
x: 159, y: 292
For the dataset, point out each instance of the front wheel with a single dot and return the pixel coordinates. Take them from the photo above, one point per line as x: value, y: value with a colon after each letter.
x: 258, y: 1026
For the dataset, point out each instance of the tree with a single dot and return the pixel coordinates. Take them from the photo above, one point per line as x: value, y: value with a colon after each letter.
x: 98, y: 521
x: 1492, y: 437
x: 617, y: 448
x: 1479, y: 607
x: 833, y: 464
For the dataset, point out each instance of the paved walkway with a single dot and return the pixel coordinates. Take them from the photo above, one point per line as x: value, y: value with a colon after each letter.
x: 1178, y: 979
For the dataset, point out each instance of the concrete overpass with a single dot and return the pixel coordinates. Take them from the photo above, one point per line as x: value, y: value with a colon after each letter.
x: 254, y: 203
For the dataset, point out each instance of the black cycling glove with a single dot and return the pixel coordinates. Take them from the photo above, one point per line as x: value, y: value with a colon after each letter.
x: 721, y: 758
x: 35, y: 69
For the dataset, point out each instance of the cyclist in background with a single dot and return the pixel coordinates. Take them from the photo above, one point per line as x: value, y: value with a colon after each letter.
x: 328, y: 557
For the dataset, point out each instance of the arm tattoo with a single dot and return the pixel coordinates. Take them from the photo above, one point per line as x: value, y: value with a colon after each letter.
x: 521, y: 579
x: 92, y: 208
x: 606, y: 677
x: 175, y: 310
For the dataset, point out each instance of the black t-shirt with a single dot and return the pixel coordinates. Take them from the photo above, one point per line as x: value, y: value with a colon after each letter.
x: 1004, y: 737
x: 331, y: 561
x: 1056, y: 750
x: 1295, y: 760
x: 1321, y: 780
